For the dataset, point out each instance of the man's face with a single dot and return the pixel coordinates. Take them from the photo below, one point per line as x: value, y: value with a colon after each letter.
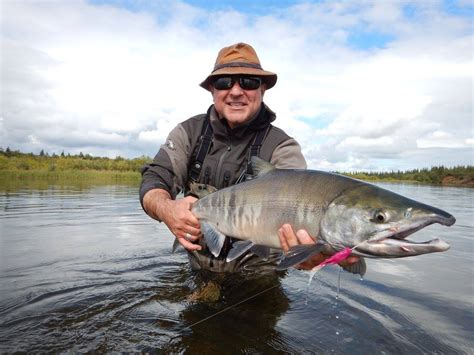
x: 237, y: 105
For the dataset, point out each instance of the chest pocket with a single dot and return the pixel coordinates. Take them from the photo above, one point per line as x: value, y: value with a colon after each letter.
x: 217, y: 164
x: 221, y: 170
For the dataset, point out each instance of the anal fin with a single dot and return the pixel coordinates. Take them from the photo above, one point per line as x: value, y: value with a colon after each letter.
x: 238, y: 249
x: 261, y: 251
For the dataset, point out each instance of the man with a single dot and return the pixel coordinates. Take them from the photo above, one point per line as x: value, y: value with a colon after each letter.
x: 215, y: 149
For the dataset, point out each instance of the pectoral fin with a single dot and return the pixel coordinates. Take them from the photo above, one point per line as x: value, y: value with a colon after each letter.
x: 358, y: 268
x: 300, y: 253
x: 214, y: 238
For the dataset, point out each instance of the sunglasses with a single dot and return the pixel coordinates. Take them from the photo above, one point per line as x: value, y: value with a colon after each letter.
x: 245, y: 82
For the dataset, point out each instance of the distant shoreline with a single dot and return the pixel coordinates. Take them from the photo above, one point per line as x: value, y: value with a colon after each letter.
x: 21, y: 166
x: 446, y: 181
x: 111, y: 176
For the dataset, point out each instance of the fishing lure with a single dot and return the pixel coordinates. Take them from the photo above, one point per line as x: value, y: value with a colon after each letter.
x: 334, y: 259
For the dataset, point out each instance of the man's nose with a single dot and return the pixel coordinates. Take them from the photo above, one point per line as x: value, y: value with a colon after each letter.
x: 236, y: 89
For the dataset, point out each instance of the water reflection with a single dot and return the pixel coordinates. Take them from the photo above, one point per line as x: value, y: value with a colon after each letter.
x: 83, y: 269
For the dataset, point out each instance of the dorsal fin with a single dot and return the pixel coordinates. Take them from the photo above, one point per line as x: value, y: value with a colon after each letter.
x: 260, y: 166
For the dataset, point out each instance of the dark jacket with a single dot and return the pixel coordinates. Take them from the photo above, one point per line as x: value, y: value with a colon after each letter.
x: 227, y: 157
x: 225, y: 162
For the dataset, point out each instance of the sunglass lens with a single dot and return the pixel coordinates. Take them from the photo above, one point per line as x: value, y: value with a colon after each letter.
x: 224, y: 83
x: 249, y: 83
x: 246, y: 83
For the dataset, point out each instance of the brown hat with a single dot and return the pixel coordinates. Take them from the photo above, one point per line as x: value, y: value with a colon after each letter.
x: 239, y: 58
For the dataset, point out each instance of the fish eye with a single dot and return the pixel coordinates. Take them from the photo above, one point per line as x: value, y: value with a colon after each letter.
x: 380, y: 216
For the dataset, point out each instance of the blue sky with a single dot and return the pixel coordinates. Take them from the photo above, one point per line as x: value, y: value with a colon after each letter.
x: 362, y: 85
x: 361, y: 36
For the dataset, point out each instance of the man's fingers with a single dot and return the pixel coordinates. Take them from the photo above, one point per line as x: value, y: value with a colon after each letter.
x: 195, y: 233
x: 289, y: 235
x: 288, y: 238
x: 191, y: 199
x: 190, y: 238
x: 192, y: 221
x: 283, y: 242
x: 188, y: 245
x: 304, y: 237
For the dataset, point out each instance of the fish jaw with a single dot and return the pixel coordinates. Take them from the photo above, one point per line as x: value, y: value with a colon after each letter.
x: 396, y: 248
x: 376, y: 222
x: 392, y: 243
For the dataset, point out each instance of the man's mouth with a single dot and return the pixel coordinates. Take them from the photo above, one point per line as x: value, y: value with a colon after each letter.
x: 236, y: 104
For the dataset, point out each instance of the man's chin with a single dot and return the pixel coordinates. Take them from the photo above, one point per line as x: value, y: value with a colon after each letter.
x: 236, y: 120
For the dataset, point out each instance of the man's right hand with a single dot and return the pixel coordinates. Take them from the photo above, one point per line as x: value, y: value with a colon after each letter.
x: 176, y: 214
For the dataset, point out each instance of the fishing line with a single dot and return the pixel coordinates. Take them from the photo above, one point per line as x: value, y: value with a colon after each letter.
x: 338, y: 284
x: 313, y: 272
x: 362, y: 242
x: 336, y: 258
x: 229, y: 307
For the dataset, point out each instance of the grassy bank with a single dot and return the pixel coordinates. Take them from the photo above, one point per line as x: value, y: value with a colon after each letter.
x: 73, y: 168
x: 72, y: 175
x: 63, y: 168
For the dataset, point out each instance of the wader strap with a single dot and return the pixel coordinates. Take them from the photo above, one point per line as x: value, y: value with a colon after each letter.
x: 204, y: 146
x: 254, y: 150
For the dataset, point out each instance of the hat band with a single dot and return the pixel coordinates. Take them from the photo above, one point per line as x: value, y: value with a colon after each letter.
x: 237, y: 64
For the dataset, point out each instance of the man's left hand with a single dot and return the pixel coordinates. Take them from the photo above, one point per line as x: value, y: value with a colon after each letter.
x: 288, y: 239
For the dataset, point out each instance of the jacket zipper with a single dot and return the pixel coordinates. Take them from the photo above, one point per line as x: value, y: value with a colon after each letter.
x: 219, y: 164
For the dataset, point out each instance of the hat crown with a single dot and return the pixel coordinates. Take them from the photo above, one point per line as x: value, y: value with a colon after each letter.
x: 237, y: 53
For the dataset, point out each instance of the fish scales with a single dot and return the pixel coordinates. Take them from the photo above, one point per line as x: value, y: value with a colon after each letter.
x: 252, y: 209
x: 342, y: 212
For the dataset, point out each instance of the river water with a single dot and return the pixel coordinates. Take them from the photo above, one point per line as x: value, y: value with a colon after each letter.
x: 82, y: 268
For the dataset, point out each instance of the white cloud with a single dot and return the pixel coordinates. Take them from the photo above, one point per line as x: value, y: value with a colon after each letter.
x: 106, y: 80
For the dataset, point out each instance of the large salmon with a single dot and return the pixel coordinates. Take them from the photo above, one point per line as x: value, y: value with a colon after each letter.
x: 342, y: 212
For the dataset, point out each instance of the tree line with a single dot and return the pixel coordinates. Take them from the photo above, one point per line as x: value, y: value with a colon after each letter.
x: 17, y: 161
x: 11, y: 160
x: 458, y: 175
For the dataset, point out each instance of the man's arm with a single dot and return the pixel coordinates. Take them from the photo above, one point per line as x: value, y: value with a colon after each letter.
x: 288, y: 155
x: 163, y: 179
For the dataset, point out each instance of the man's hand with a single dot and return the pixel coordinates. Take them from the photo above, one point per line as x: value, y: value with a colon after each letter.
x: 288, y: 239
x: 177, y: 216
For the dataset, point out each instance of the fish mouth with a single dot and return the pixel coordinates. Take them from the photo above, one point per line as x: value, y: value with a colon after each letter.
x: 393, y: 243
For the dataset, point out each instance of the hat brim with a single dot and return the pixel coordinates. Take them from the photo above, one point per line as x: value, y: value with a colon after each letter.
x: 267, y: 77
